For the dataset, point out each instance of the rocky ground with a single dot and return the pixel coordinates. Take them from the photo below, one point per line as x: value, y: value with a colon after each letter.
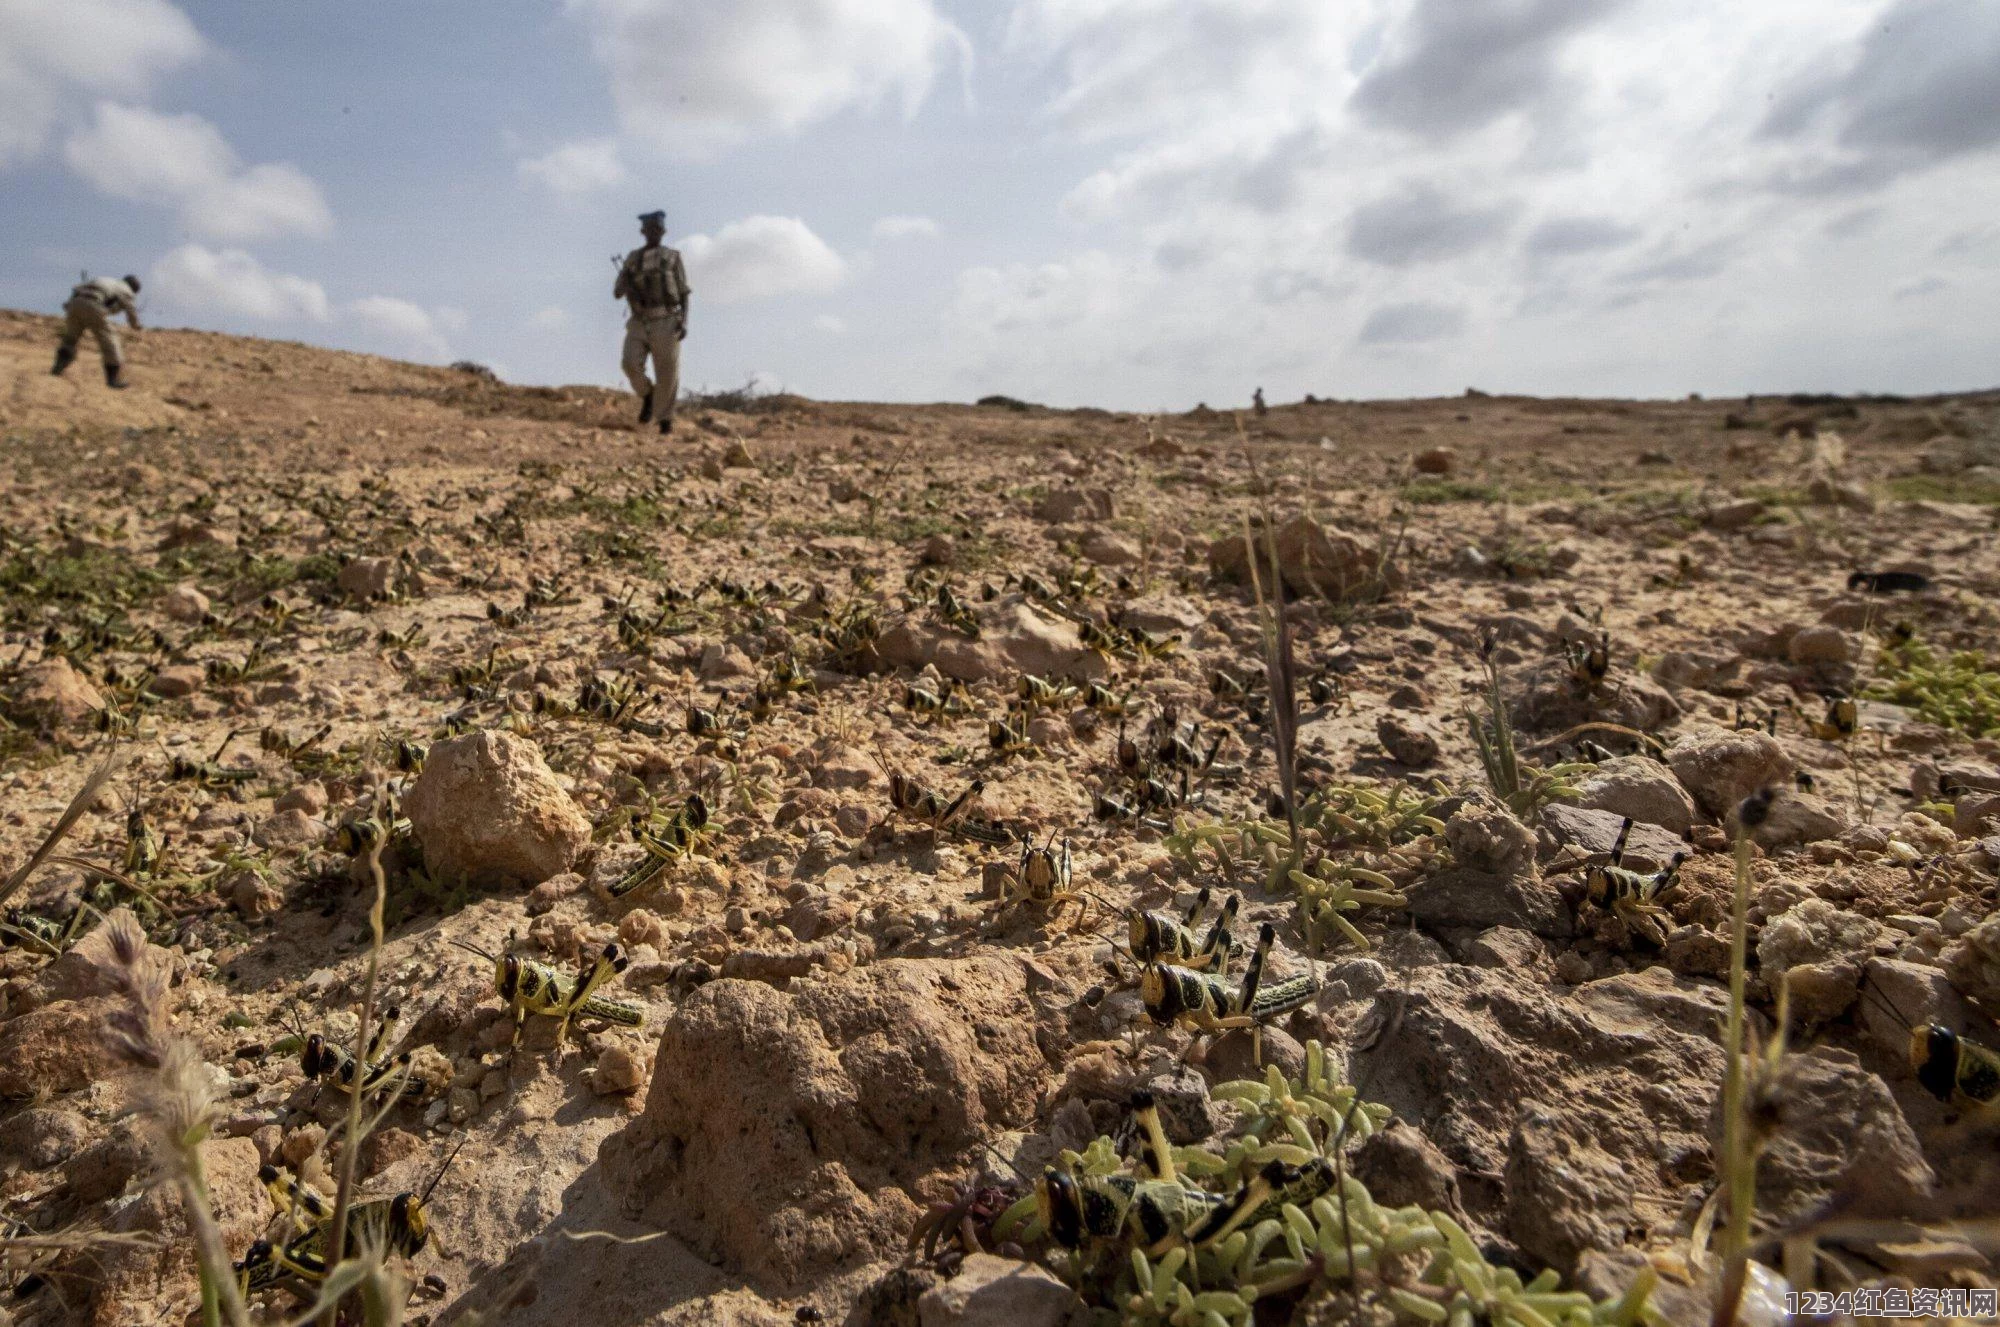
x: 269, y: 573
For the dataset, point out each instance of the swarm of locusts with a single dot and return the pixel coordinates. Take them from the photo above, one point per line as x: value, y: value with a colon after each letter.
x: 1241, y: 1228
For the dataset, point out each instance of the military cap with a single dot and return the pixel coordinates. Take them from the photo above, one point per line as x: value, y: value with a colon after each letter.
x: 653, y: 218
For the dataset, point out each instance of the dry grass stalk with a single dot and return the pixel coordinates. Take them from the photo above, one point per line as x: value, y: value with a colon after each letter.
x: 176, y: 1096
x: 85, y: 796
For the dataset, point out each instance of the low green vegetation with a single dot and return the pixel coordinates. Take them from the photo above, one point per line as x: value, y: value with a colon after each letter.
x: 1945, y: 488
x: 1958, y: 691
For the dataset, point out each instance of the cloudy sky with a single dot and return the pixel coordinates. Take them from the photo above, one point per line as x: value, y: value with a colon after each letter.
x: 1129, y: 203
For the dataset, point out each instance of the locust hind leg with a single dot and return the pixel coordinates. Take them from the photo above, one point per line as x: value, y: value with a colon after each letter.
x: 605, y: 966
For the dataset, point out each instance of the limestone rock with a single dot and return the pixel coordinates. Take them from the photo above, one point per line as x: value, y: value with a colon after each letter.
x: 309, y: 797
x: 1312, y: 559
x: 1162, y: 614
x: 1973, y: 962
x: 130, y: 1279
x: 1642, y: 788
x: 1109, y: 550
x: 487, y: 808
x: 1402, y: 1167
x: 1484, y: 836
x: 368, y: 578
x: 1548, y: 698
x: 1914, y: 995
x: 1626, y: 1067
x: 1722, y: 767
x: 1463, y: 897
x: 1813, y: 932
x: 1733, y: 515
x: 997, y: 1292
x: 1017, y: 639
x: 1797, y: 819
x: 1823, y: 645
x: 1565, y: 1194
x: 53, y: 694
x: 41, y: 1137
x: 783, y: 1130
x: 58, y: 1048
x: 1648, y: 847
x: 1836, y: 1120
x: 1406, y: 743
x: 291, y: 828
x: 1064, y: 506
x: 1436, y: 461
x: 184, y: 603
x: 176, y: 680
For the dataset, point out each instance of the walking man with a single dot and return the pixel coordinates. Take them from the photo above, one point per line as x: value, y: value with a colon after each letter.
x: 91, y: 308
x: 654, y: 284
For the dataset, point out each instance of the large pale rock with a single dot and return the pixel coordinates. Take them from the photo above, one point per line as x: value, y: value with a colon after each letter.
x: 1064, y: 506
x: 1797, y: 819
x: 1548, y: 698
x: 1615, y: 1073
x: 132, y: 1282
x: 58, y: 1048
x: 53, y: 694
x: 997, y: 1292
x: 1648, y: 847
x: 1973, y: 962
x: 1836, y: 1120
x: 1642, y: 788
x: 1016, y: 639
x: 1904, y: 996
x: 1485, y: 836
x: 1312, y: 559
x: 1815, y: 931
x: 1108, y: 549
x: 1721, y: 767
x: 784, y: 1130
x: 184, y: 603
x: 1162, y: 614
x: 1464, y: 898
x: 368, y: 578
x: 1565, y: 1194
x: 487, y: 809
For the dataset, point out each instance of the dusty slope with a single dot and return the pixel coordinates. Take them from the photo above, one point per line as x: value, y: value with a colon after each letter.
x: 515, y: 522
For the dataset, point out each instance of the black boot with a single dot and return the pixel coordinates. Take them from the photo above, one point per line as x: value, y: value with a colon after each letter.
x: 646, y: 408
x: 112, y: 377
x: 65, y: 356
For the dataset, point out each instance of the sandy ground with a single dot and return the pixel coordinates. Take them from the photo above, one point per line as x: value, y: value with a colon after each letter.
x: 251, y: 470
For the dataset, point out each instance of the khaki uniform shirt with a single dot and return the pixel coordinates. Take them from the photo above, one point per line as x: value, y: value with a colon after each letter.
x: 653, y: 281
x: 113, y: 294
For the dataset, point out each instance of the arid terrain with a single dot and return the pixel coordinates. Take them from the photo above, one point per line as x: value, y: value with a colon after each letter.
x: 335, y: 615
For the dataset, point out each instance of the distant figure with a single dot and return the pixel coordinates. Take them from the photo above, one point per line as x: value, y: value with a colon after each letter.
x: 654, y: 283
x: 1257, y: 401
x: 91, y: 308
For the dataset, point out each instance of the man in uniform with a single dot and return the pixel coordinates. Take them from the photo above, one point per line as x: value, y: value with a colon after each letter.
x: 654, y: 284
x: 91, y: 308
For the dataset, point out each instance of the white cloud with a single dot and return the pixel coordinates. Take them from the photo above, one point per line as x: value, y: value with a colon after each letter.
x: 183, y: 161
x: 830, y: 324
x: 1587, y: 176
x: 578, y: 168
x: 759, y: 257
x: 56, y: 54
x: 409, y: 329
x: 552, y: 318
x: 904, y: 228
x: 690, y: 76
x: 196, y: 281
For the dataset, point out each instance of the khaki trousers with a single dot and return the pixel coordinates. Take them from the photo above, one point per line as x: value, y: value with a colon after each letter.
x: 87, y: 315
x: 660, y: 337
